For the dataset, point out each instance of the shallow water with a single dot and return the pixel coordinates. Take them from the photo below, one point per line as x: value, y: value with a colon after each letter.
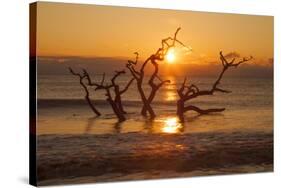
x: 73, y: 121
x: 74, y: 146
x: 132, y: 156
x: 62, y: 109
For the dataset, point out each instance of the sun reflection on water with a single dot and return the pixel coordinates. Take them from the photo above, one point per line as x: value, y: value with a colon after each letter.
x: 170, y: 96
x: 171, y: 125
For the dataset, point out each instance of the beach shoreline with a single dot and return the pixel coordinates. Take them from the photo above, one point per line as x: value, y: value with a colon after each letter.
x: 64, y: 159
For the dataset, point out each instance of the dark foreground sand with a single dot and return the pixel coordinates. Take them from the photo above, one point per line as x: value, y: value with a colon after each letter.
x: 135, y: 156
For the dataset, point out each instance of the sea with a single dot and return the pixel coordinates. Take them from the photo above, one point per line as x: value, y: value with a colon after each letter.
x: 75, y: 146
x: 62, y: 108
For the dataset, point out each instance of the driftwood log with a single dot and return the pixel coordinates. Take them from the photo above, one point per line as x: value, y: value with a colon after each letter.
x: 155, y: 82
x: 188, y: 92
x: 84, y: 86
x: 114, y: 100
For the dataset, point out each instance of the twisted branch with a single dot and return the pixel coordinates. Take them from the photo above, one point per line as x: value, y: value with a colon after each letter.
x: 159, y: 55
x: 187, y: 92
x: 116, y: 102
x: 87, y: 95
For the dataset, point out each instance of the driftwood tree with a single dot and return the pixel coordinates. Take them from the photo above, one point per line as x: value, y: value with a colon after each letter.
x: 118, y: 92
x: 87, y: 94
x: 188, y: 92
x: 155, y: 82
x: 114, y: 100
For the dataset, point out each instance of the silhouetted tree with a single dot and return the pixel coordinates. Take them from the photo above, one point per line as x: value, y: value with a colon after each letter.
x: 116, y: 101
x: 155, y: 82
x: 188, y: 92
x: 118, y: 92
x: 87, y: 96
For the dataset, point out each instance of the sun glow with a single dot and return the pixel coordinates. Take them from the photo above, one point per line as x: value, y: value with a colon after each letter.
x: 171, y: 125
x: 170, y: 56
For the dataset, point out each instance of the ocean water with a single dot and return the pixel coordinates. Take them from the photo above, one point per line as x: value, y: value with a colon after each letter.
x: 62, y: 109
x: 75, y: 146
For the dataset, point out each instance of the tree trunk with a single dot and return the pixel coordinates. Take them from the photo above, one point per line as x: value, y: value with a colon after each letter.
x: 116, y: 110
x: 180, y: 109
x: 118, y: 102
x: 146, y: 105
x: 92, y: 106
x: 147, y: 108
x: 88, y: 98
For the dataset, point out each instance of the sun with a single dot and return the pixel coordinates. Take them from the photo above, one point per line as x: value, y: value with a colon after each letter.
x: 170, y: 56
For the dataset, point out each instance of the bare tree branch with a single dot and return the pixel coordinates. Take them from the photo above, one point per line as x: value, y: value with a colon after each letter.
x: 116, y: 102
x: 188, y: 92
x: 202, y: 111
x: 159, y: 55
x: 127, y: 86
x: 117, y: 73
x: 87, y: 96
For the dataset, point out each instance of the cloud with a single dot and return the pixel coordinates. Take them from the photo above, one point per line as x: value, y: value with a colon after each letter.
x: 194, y: 65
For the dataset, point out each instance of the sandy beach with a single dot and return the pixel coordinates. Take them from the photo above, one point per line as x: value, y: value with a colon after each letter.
x: 135, y: 156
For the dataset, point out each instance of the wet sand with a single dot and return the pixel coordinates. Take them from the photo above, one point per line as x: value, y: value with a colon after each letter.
x: 64, y: 159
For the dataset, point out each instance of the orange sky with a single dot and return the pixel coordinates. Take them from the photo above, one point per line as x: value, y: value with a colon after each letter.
x: 104, y: 31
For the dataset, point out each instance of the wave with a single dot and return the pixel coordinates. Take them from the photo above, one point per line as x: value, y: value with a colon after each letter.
x: 78, y: 102
x: 101, y: 155
x: 213, y: 102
